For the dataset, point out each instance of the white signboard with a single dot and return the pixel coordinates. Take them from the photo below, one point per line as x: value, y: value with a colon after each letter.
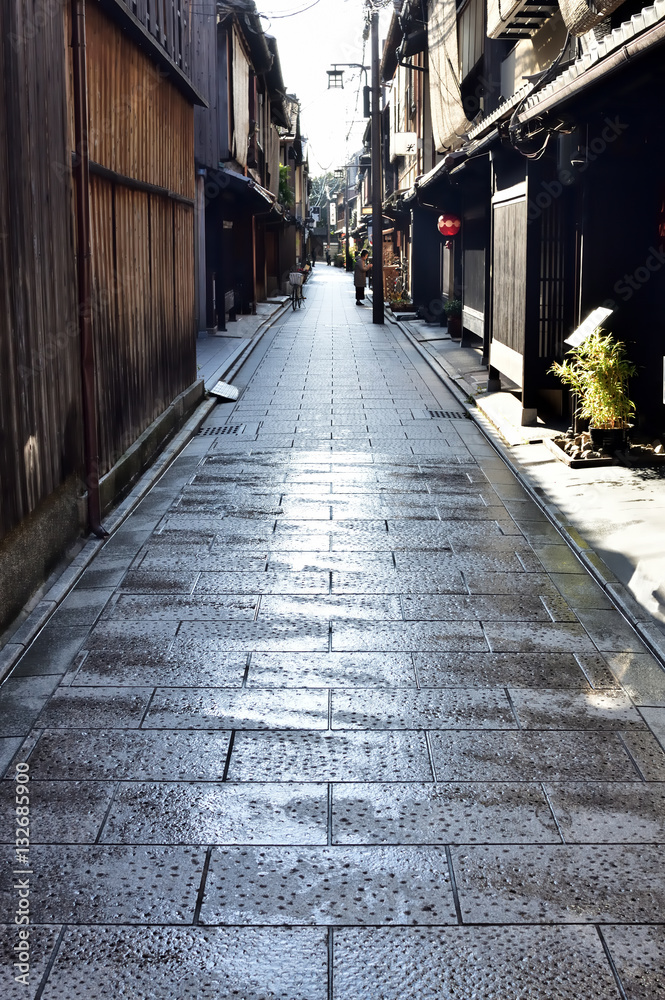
x: 405, y: 144
x: 586, y: 328
x: 332, y: 214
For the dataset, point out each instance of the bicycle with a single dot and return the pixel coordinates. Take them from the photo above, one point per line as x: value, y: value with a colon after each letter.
x: 296, y: 280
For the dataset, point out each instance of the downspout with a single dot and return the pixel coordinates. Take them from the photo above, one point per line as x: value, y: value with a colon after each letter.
x: 81, y: 177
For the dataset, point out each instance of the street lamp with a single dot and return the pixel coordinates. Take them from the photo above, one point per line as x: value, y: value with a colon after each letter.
x: 335, y: 78
x: 336, y: 82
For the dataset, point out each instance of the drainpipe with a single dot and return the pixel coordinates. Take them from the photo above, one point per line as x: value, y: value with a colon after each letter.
x: 84, y: 267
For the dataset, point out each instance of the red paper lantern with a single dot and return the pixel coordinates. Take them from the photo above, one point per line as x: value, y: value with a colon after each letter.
x: 449, y: 225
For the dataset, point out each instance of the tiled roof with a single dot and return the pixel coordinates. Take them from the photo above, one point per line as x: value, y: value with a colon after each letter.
x: 535, y: 96
x: 626, y: 32
x: 495, y: 116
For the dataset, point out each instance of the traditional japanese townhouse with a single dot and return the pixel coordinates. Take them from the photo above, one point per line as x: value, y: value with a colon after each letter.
x: 550, y: 124
x: 409, y: 154
x: 97, y: 325
x: 295, y: 169
x: 239, y: 218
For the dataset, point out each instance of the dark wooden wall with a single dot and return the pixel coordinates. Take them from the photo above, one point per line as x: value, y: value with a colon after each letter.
x: 207, y: 77
x: 509, y: 273
x: 40, y: 436
x: 142, y: 209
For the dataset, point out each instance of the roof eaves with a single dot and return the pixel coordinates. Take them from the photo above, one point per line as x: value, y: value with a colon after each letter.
x: 609, y: 53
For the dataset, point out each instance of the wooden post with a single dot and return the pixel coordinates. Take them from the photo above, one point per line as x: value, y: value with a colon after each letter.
x: 377, y: 180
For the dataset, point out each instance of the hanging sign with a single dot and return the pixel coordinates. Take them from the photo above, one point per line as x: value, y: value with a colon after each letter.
x: 404, y: 143
x: 586, y: 328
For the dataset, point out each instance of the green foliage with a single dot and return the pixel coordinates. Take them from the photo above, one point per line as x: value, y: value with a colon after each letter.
x: 598, y: 372
x: 285, y: 192
x: 453, y: 307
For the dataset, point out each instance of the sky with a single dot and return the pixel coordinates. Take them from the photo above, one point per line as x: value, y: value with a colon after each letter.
x: 318, y: 34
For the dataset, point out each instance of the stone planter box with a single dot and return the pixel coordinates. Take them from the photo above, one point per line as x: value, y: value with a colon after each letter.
x: 575, y: 463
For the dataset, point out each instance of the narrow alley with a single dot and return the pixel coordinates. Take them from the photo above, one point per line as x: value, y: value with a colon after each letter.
x: 317, y: 723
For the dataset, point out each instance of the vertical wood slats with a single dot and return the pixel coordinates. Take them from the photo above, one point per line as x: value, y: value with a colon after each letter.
x: 509, y: 274
x: 142, y: 127
x: 167, y: 22
x: 39, y: 352
x: 143, y: 251
x: 552, y: 282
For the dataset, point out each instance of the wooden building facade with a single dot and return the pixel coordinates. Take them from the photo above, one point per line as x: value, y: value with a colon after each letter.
x: 138, y: 191
x: 237, y: 144
x: 546, y: 122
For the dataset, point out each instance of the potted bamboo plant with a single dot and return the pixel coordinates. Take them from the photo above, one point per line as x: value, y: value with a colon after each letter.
x: 597, y: 371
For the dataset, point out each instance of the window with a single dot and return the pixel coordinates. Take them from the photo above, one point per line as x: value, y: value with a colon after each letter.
x: 470, y: 35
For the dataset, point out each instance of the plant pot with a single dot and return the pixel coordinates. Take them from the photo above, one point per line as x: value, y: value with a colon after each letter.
x: 455, y: 327
x: 609, y: 439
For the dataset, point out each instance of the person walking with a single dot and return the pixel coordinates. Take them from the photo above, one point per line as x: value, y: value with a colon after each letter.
x: 360, y: 276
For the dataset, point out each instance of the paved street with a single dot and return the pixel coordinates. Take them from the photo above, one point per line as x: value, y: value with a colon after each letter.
x: 321, y: 722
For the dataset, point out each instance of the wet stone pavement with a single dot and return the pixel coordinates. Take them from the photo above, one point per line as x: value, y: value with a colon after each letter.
x: 335, y: 716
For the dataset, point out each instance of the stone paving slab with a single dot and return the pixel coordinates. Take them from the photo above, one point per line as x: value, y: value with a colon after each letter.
x: 328, y: 886
x: 543, y: 710
x: 522, y: 756
x: 61, y: 812
x: 217, y: 813
x: 343, y: 756
x: 637, y: 953
x: 43, y: 940
x: 476, y: 608
x: 331, y: 670
x: 560, y: 884
x: 79, y: 754
x: 609, y: 813
x: 445, y: 812
x: 407, y: 636
x: 106, y: 884
x: 22, y: 700
x: 497, y: 963
x: 211, y: 668
x: 210, y: 636
x: 219, y: 708
x: 201, y: 963
x: 556, y: 637
x: 530, y: 670
x: 429, y: 709
x: 640, y: 676
x: 96, y: 708
x: 390, y: 581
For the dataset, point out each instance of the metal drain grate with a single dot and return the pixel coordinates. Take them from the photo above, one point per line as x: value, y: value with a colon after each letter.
x: 220, y: 430
x: 447, y: 414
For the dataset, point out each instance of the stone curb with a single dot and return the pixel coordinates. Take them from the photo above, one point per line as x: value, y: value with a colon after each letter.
x: 634, y: 614
x: 65, y: 580
x: 239, y: 361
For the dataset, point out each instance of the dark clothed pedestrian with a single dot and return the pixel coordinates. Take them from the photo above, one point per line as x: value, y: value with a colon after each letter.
x: 360, y: 276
